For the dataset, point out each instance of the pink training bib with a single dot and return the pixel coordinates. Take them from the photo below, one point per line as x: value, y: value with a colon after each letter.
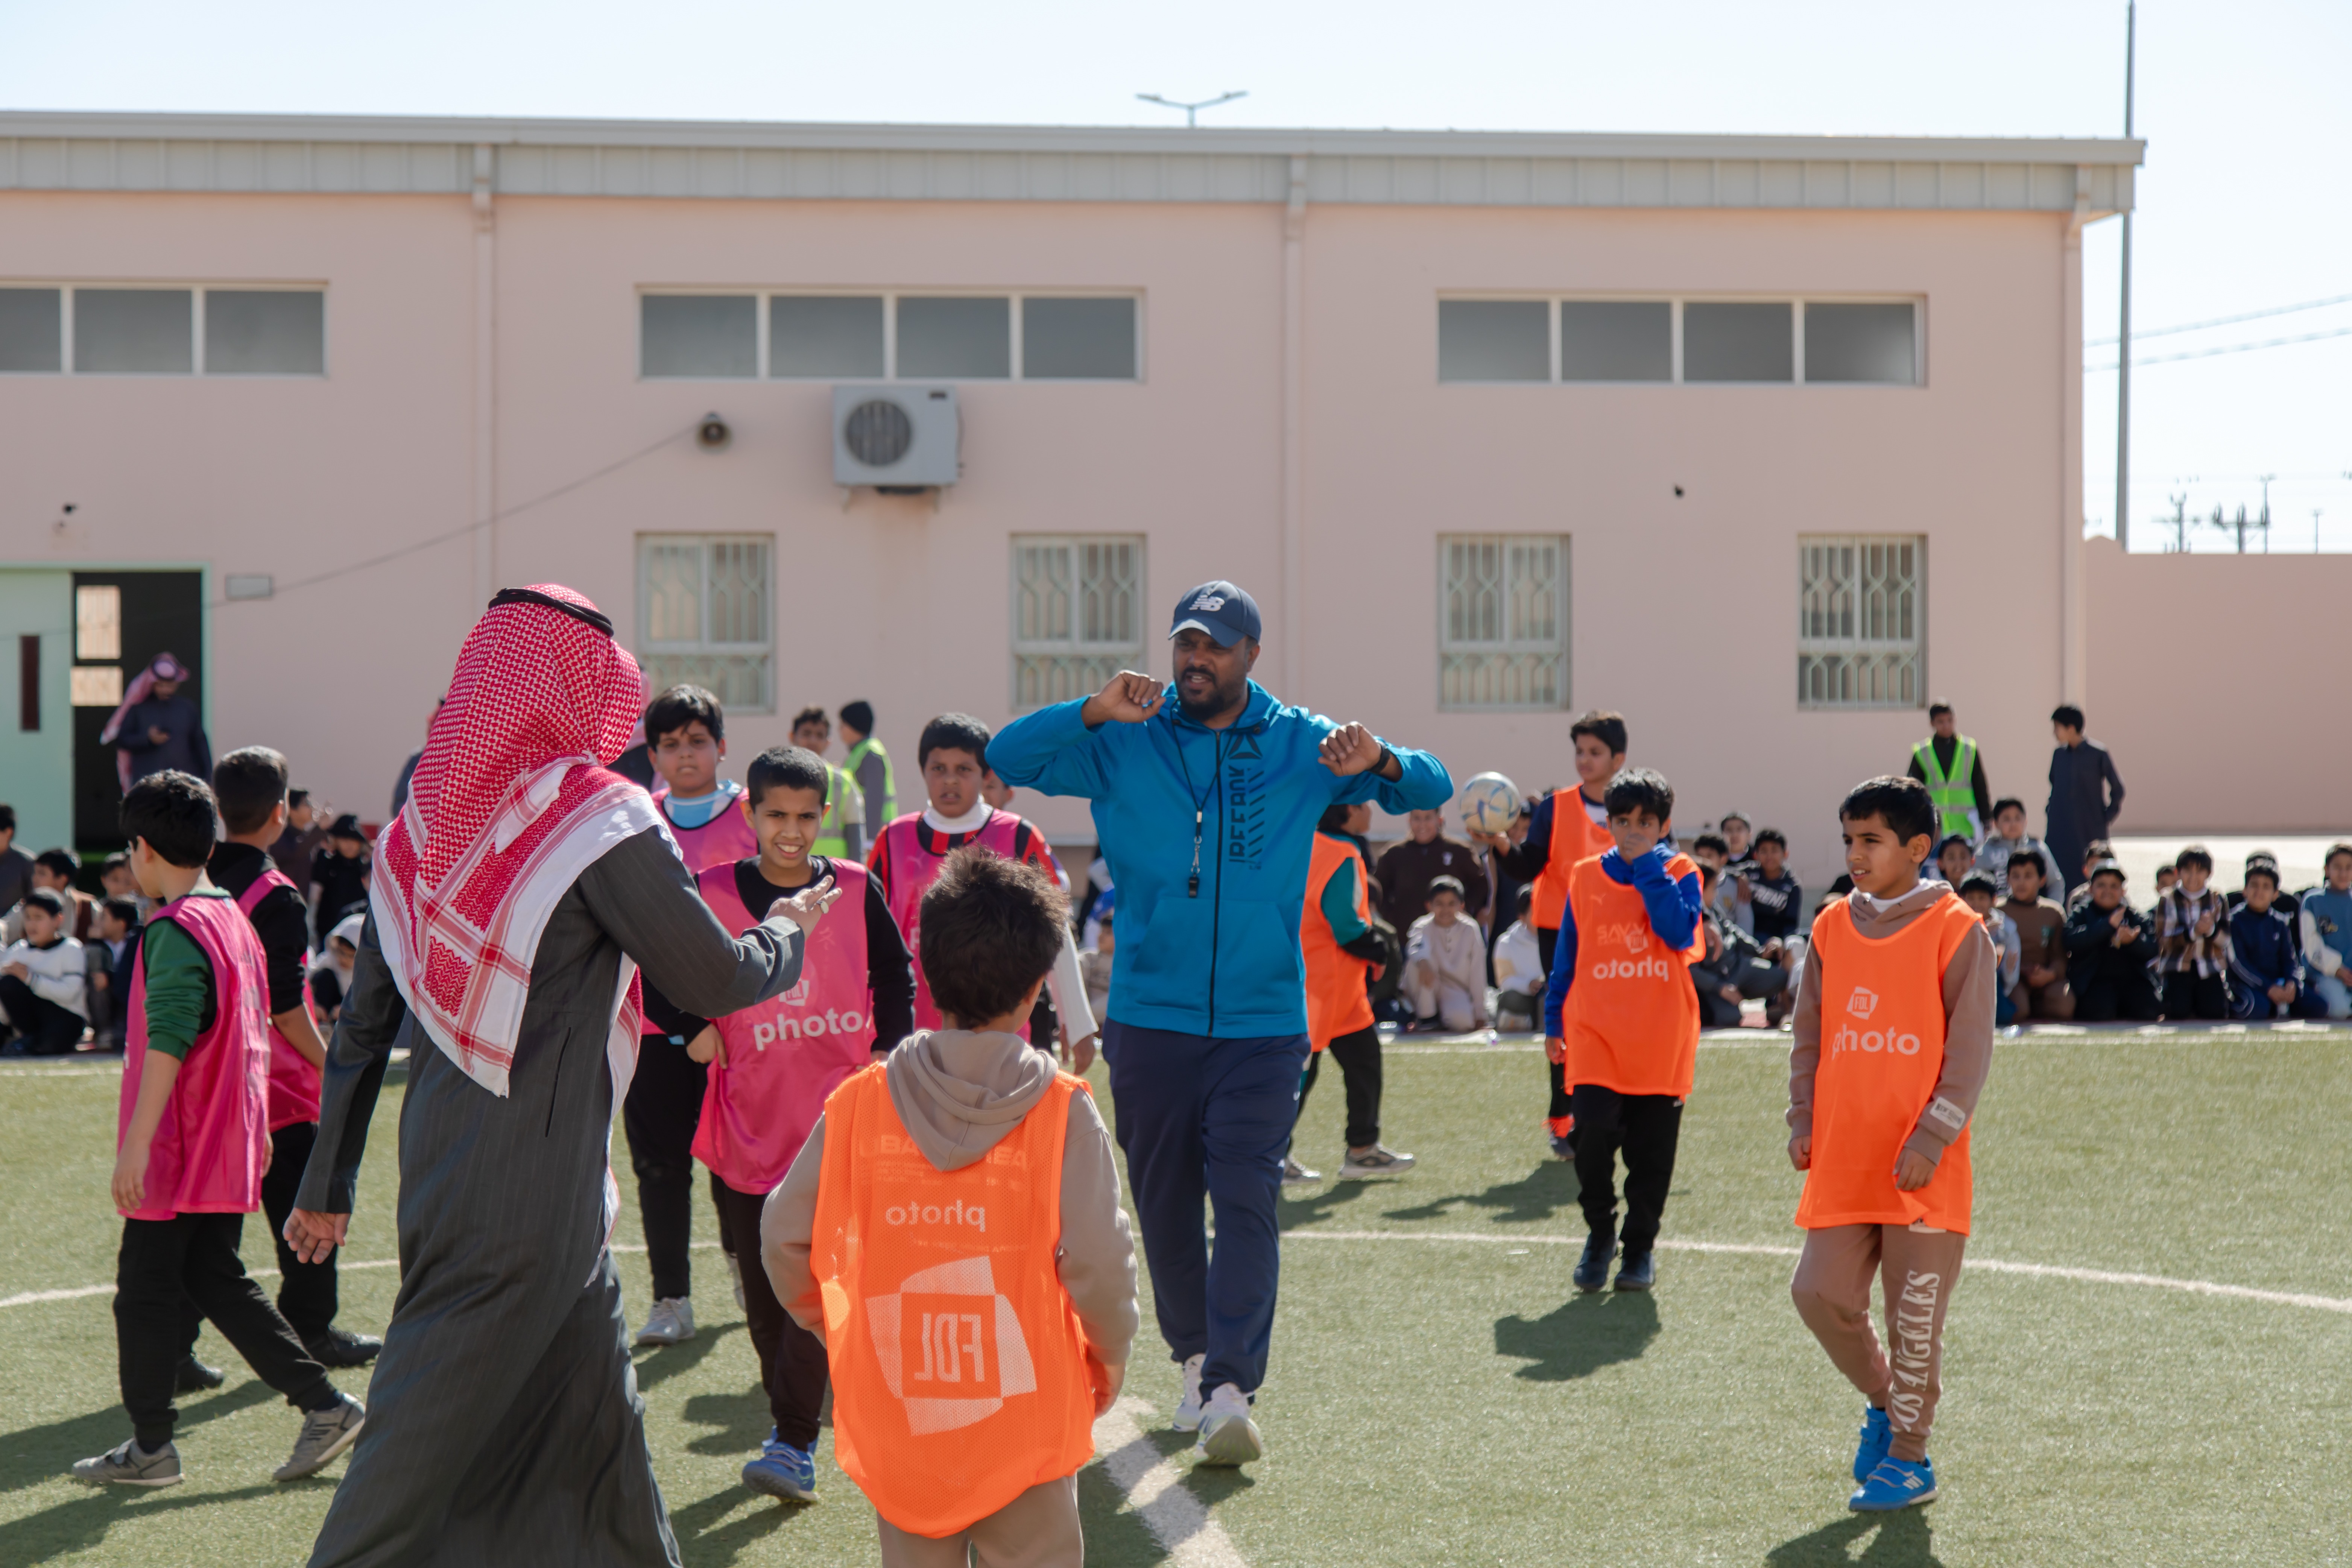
x: 913, y: 869
x: 213, y: 1145
x: 726, y: 838
x: 784, y: 1056
x: 293, y: 1081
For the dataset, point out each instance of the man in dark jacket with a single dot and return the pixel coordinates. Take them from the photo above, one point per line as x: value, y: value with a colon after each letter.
x: 161, y: 730
x: 1407, y: 869
x: 2085, y: 793
x: 2109, y: 947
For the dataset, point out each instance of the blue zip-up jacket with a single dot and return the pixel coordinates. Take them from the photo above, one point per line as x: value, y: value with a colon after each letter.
x: 1225, y: 961
x: 1673, y: 907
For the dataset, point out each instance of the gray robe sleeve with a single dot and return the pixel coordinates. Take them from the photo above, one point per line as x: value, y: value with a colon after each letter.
x: 641, y: 896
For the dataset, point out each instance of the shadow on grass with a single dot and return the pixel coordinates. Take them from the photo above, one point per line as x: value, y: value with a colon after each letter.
x: 1583, y: 1336
x: 1551, y: 1188
x: 1114, y: 1539
x: 709, y: 1538
x: 1896, y: 1540
x: 740, y: 1422
x: 661, y: 1364
x: 39, y: 1454
x: 1300, y: 1207
x: 82, y: 1522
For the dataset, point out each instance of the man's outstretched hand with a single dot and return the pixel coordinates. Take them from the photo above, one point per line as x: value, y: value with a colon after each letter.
x: 1127, y: 699
x: 314, y: 1236
x: 1352, y: 748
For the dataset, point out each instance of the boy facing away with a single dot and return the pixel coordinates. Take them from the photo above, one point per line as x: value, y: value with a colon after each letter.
x: 952, y: 1231
x: 1894, y: 1038
x: 771, y: 1065
x: 1629, y: 1044
x: 193, y: 1140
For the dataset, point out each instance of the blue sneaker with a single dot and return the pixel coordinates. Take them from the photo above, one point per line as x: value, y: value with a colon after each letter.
x: 782, y: 1471
x: 1592, y: 1270
x: 1876, y: 1435
x: 1895, y: 1484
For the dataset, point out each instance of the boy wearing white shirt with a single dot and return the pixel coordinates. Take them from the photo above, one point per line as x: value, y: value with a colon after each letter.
x: 44, y: 979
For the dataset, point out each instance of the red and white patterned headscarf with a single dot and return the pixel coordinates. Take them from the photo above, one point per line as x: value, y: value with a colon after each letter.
x: 510, y: 803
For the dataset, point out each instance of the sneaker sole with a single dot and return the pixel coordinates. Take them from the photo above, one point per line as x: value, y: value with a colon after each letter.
x: 1927, y: 1497
x: 1625, y: 1284
x: 1359, y: 1173
x: 130, y: 1480
x: 642, y: 1341
x: 1179, y: 1422
x: 1236, y: 1442
x: 781, y: 1490
x: 335, y: 1450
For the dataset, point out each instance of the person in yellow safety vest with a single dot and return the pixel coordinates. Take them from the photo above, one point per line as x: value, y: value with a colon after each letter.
x: 841, y: 831
x: 869, y: 767
x: 1952, y: 768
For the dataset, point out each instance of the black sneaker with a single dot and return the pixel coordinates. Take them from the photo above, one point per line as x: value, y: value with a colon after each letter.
x: 194, y: 1377
x: 1592, y: 1269
x: 1638, y: 1272
x: 341, y: 1348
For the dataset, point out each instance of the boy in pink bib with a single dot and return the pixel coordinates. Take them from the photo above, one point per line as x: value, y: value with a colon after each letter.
x: 193, y: 1140
x: 772, y: 1065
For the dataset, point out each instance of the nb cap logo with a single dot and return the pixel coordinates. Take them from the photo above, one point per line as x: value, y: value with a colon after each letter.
x: 1863, y: 1003
x: 1211, y: 602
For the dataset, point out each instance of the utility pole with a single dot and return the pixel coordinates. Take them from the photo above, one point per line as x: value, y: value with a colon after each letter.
x: 2180, y: 524
x: 2123, y: 341
x: 2314, y: 529
x: 2266, y: 480
x: 1193, y: 111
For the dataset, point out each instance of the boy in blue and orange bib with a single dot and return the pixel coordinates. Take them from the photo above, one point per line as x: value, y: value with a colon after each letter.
x: 770, y: 1066
x: 194, y: 1142
x: 954, y: 1230
x: 1620, y: 1016
x: 1894, y: 1037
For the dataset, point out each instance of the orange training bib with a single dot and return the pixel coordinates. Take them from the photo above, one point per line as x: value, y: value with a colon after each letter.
x: 960, y: 1376
x: 1336, y: 1002
x: 1882, y: 1053
x: 1633, y: 1020
x: 1575, y: 836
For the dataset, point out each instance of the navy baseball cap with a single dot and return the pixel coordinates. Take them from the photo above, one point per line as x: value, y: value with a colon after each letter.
x: 1219, y: 609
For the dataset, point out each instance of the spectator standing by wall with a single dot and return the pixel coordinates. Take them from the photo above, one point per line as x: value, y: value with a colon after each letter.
x: 2086, y: 793
x: 1408, y: 869
x: 303, y: 836
x: 158, y: 727
x: 1952, y: 768
x: 15, y: 866
x: 869, y: 767
x: 1206, y: 793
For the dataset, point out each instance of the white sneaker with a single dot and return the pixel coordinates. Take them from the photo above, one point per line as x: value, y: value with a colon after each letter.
x: 735, y: 1273
x: 1295, y: 1175
x: 1381, y: 1161
x: 1188, y: 1409
x: 670, y: 1321
x: 1228, y: 1435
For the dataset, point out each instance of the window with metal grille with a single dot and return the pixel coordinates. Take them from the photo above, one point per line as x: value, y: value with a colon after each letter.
x: 1861, y: 621
x: 703, y: 616
x: 1076, y: 615
x: 1502, y: 621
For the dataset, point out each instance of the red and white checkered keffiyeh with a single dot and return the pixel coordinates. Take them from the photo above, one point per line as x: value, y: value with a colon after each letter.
x: 510, y: 803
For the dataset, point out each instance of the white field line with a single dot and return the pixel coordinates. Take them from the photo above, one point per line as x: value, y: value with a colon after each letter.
x: 1153, y: 1484
x: 2295, y: 1031
x: 1987, y: 1264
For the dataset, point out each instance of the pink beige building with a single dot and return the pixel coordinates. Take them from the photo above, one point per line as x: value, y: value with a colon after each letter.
x: 1762, y: 441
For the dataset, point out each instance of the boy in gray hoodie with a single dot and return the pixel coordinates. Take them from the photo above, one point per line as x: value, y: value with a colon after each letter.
x: 928, y: 1182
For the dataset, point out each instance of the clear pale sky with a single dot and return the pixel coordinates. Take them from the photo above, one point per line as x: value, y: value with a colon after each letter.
x: 2245, y: 105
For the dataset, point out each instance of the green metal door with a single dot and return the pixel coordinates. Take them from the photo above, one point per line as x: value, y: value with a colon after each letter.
x: 36, y: 719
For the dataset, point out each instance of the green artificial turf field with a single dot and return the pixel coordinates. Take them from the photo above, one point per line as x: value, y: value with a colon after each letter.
x: 1438, y: 1393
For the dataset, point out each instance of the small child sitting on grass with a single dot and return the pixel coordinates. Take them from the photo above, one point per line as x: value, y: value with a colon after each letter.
x: 1445, y: 965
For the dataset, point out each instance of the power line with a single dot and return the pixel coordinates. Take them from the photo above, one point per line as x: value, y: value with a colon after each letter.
x: 2220, y: 320
x: 2228, y: 348
x: 374, y: 561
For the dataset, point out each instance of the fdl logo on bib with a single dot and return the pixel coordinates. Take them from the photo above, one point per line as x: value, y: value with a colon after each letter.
x: 1863, y: 1003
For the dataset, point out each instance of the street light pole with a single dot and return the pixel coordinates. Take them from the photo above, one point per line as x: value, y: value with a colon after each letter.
x: 2123, y: 342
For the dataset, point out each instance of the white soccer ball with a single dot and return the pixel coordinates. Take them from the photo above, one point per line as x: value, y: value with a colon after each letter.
x: 1488, y: 803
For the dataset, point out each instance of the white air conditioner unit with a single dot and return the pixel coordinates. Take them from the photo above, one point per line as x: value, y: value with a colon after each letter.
x: 903, y: 435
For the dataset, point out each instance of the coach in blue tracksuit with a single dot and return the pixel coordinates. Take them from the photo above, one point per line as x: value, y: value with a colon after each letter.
x: 1205, y: 798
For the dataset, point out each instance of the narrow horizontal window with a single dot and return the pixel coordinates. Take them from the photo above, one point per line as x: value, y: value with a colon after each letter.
x: 1616, y: 340
x: 825, y: 336
x: 1493, y: 339
x: 1862, y: 343
x: 32, y: 331
x: 265, y: 332
x: 134, y: 332
x: 1077, y: 339
x: 712, y: 336
x: 955, y: 338
x: 1738, y: 342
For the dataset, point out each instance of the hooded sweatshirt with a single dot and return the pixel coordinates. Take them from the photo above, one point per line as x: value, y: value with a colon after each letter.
x: 1969, y: 984
x: 960, y: 1094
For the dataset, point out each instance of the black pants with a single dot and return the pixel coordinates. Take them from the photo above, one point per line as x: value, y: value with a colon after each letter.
x: 665, y: 1103
x: 1555, y: 1073
x: 2189, y: 996
x: 791, y: 1360
x: 163, y: 1264
x: 48, y: 1029
x: 2114, y: 992
x: 1646, y: 1127
x: 307, y: 1297
x: 1359, y: 1056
